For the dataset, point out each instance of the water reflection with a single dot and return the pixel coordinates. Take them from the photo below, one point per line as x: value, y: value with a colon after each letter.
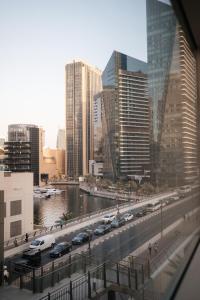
x: 47, y: 211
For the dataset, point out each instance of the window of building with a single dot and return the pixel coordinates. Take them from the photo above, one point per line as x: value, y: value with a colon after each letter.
x: 15, y: 207
x: 15, y: 228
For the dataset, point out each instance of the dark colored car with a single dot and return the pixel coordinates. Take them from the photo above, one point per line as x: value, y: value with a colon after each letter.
x: 22, y: 266
x: 60, y: 249
x: 141, y: 213
x: 80, y: 238
x: 33, y: 257
x: 102, y: 229
x: 118, y: 222
x: 89, y: 231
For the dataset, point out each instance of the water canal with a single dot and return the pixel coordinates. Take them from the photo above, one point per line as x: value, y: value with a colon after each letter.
x: 72, y: 199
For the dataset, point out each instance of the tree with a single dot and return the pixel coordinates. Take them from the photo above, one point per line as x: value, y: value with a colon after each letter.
x: 146, y: 189
x: 67, y: 216
x: 133, y: 185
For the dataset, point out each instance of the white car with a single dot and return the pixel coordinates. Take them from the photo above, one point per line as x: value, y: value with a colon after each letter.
x: 127, y: 217
x: 108, y: 218
x: 43, y: 242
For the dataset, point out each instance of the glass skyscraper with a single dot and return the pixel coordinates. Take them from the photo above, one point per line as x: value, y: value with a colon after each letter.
x: 83, y: 82
x: 172, y: 89
x: 126, y: 117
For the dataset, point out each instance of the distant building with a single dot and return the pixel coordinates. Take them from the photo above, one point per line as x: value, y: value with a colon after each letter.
x: 95, y: 168
x: 23, y: 149
x: 2, y: 142
x: 82, y: 83
x: 126, y: 118
x: 61, y: 139
x: 17, y: 195
x: 53, y: 164
x: 98, y: 137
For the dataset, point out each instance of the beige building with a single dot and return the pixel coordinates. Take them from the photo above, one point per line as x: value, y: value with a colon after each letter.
x: 53, y: 163
x: 83, y: 82
x: 17, y: 193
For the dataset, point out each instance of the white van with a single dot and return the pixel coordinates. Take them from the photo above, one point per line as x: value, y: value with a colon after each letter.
x: 43, y: 242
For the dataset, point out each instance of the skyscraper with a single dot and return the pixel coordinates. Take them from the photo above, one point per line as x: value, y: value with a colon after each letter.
x: 60, y: 144
x: 98, y: 136
x: 126, y: 117
x: 172, y: 88
x: 82, y: 83
x: 23, y: 149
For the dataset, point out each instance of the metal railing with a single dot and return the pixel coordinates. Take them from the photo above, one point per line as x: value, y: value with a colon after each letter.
x: 20, y: 240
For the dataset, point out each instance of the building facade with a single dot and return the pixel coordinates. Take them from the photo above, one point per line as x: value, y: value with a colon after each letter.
x: 23, y: 149
x: 53, y: 164
x: 82, y: 83
x: 60, y: 144
x: 17, y: 195
x: 172, y: 88
x: 98, y: 135
x: 126, y: 118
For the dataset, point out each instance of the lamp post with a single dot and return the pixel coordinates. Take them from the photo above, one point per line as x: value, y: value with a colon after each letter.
x: 161, y: 218
x: 117, y: 204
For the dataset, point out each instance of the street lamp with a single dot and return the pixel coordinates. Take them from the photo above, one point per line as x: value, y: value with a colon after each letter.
x: 117, y: 204
x: 161, y: 218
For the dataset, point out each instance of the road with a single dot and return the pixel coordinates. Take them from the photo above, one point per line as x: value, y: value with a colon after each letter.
x: 122, y: 241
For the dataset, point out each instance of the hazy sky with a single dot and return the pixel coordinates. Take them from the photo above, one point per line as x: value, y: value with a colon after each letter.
x: 38, y: 37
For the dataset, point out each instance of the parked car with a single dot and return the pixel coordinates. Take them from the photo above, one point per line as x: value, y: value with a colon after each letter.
x: 127, y: 217
x: 60, y: 249
x: 43, y: 242
x: 175, y: 198
x: 22, y: 265
x: 102, y: 229
x: 118, y: 222
x: 89, y: 231
x: 33, y: 257
x: 80, y: 238
x: 108, y: 218
x: 141, y: 213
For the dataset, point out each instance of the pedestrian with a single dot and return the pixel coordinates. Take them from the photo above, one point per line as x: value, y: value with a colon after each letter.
x: 5, y: 274
x: 26, y: 237
x: 61, y: 225
x: 150, y: 248
x: 156, y: 247
x: 15, y: 242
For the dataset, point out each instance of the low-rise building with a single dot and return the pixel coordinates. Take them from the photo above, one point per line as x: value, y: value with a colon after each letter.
x: 95, y: 168
x: 17, y: 194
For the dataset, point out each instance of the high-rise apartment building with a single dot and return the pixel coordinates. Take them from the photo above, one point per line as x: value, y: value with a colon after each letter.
x: 60, y: 144
x: 126, y: 117
x: 82, y: 83
x: 98, y: 136
x: 172, y: 88
x: 23, y: 149
x: 2, y: 142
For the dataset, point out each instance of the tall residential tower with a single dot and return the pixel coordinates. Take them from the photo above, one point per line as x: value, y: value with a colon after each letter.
x: 126, y: 117
x: 172, y: 88
x: 83, y: 82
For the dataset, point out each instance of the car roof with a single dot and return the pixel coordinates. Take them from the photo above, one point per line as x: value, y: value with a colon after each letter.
x: 108, y: 215
x: 62, y: 244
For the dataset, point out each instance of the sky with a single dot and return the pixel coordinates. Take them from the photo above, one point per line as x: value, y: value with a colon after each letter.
x: 39, y: 37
